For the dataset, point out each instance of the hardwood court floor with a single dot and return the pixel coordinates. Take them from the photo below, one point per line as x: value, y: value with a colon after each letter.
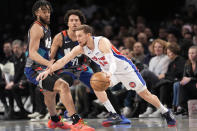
x: 142, y: 124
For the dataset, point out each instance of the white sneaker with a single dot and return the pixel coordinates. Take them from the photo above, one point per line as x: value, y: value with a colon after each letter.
x: 38, y: 118
x: 126, y: 111
x: 148, y: 111
x: 157, y: 113
x: 46, y: 117
x: 33, y: 115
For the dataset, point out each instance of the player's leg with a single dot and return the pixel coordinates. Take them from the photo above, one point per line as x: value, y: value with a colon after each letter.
x: 101, y: 95
x: 138, y: 84
x: 54, y: 84
x: 114, y: 118
x: 62, y: 86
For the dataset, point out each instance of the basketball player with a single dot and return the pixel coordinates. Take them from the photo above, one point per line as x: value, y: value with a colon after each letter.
x: 38, y: 59
x: 116, y: 66
x: 63, y: 43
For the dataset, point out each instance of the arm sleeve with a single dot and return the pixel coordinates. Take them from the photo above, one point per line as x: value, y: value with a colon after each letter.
x: 112, y: 65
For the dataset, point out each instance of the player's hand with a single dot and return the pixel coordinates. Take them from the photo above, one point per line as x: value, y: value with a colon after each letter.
x: 108, y: 74
x: 9, y: 86
x: 43, y: 75
x: 161, y: 76
x: 50, y: 63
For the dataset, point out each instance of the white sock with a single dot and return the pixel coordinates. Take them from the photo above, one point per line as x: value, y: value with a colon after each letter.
x: 109, y: 106
x: 163, y: 109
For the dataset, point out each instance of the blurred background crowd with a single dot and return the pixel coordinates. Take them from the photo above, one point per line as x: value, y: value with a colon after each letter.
x: 160, y: 37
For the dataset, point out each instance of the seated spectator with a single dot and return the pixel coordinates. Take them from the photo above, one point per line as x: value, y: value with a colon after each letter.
x: 163, y: 33
x: 174, y: 74
x: 172, y: 38
x: 138, y: 52
x: 129, y: 42
x: 7, y: 69
x: 149, y: 34
x: 149, y: 56
x: 159, y: 63
x: 17, y: 85
x: 188, y: 88
x: 141, y: 37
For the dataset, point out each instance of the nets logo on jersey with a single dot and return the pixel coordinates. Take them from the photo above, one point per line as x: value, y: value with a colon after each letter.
x: 132, y: 84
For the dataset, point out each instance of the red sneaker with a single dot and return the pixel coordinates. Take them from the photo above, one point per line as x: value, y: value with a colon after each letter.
x: 81, y: 126
x: 60, y: 124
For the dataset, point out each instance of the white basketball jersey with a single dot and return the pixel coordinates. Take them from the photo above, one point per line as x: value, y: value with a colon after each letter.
x: 122, y: 63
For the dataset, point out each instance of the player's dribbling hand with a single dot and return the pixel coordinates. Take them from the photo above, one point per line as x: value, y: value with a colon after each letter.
x: 50, y: 63
x: 108, y: 74
x: 43, y: 75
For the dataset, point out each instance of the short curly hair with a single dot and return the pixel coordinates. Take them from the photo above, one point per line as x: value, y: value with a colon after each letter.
x: 77, y: 13
x: 162, y: 42
x: 40, y: 3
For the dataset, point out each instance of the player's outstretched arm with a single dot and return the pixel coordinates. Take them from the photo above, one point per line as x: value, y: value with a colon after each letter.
x: 61, y: 62
x: 64, y: 60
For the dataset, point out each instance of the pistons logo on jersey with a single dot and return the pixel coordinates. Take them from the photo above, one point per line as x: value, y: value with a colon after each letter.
x: 101, y: 60
x: 132, y: 84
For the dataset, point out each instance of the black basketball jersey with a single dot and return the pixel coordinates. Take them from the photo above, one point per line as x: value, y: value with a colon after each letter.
x: 44, y: 47
x: 67, y: 46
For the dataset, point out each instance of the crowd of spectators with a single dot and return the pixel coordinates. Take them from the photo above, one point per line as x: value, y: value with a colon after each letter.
x: 164, y: 50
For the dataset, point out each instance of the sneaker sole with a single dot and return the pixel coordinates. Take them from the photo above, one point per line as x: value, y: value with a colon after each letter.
x: 110, y: 123
x: 172, y: 125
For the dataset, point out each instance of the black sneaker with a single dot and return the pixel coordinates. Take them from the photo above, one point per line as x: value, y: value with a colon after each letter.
x: 114, y: 119
x: 170, y: 119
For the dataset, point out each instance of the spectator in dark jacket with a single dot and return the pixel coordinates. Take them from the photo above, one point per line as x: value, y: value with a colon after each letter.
x: 17, y: 85
x: 175, y: 71
x: 188, y: 89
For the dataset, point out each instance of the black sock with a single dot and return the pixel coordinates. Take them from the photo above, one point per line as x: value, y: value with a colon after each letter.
x: 55, y: 118
x: 75, y: 118
x: 113, y: 101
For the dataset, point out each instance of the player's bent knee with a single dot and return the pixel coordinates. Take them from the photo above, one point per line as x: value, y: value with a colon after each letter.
x: 61, y: 85
x: 64, y: 87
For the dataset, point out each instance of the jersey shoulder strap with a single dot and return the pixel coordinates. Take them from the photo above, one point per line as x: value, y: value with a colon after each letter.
x: 64, y: 33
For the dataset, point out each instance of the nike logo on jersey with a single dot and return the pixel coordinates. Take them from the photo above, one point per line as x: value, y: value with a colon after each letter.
x: 67, y: 41
x: 97, y: 53
x: 126, y: 68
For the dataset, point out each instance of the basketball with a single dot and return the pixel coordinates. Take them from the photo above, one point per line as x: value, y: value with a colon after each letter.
x: 99, y: 81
